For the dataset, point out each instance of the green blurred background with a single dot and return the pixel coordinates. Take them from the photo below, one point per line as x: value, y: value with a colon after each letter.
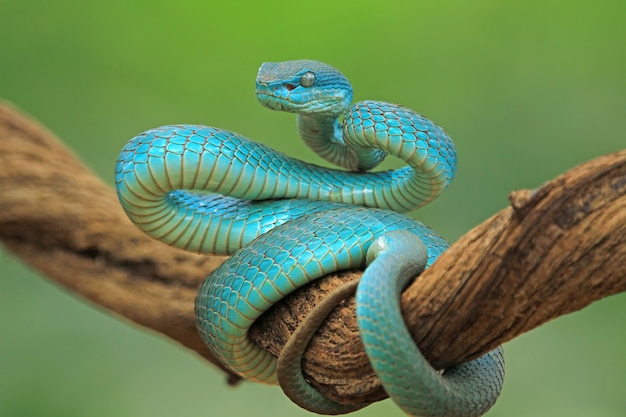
x: 526, y: 89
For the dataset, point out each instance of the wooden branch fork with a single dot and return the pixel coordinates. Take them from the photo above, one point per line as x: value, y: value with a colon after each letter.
x: 555, y: 250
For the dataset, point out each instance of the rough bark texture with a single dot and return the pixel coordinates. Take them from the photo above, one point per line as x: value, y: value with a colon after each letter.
x: 554, y: 251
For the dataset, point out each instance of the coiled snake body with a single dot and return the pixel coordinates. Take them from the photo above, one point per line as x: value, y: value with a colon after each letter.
x: 287, y: 223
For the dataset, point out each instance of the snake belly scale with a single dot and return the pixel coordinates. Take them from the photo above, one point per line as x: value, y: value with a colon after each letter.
x: 286, y: 223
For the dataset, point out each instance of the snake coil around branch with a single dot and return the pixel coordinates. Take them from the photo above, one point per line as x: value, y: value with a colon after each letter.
x: 554, y: 251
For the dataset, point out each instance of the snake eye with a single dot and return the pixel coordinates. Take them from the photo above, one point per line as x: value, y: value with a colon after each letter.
x: 307, y: 79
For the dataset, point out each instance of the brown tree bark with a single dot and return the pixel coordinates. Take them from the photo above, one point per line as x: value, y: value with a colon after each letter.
x: 554, y: 251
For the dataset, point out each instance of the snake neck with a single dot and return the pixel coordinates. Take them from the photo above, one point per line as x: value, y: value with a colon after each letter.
x: 323, y: 133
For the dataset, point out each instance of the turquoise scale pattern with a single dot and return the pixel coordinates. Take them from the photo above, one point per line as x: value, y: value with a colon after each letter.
x: 465, y: 390
x: 287, y: 222
x: 277, y: 263
x: 401, y: 132
x: 159, y: 170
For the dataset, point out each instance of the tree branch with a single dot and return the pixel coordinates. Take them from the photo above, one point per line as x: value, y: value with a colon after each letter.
x: 554, y: 251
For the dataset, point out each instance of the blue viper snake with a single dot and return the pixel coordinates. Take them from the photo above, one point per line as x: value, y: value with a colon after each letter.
x: 286, y: 223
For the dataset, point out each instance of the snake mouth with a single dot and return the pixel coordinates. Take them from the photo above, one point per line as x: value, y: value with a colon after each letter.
x: 275, y: 102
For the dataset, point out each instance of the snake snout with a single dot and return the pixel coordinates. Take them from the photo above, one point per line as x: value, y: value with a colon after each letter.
x: 273, y: 99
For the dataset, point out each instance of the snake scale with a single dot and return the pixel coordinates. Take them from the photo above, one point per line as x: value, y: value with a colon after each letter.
x: 287, y: 222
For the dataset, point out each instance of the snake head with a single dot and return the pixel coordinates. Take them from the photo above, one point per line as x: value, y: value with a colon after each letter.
x: 304, y: 87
